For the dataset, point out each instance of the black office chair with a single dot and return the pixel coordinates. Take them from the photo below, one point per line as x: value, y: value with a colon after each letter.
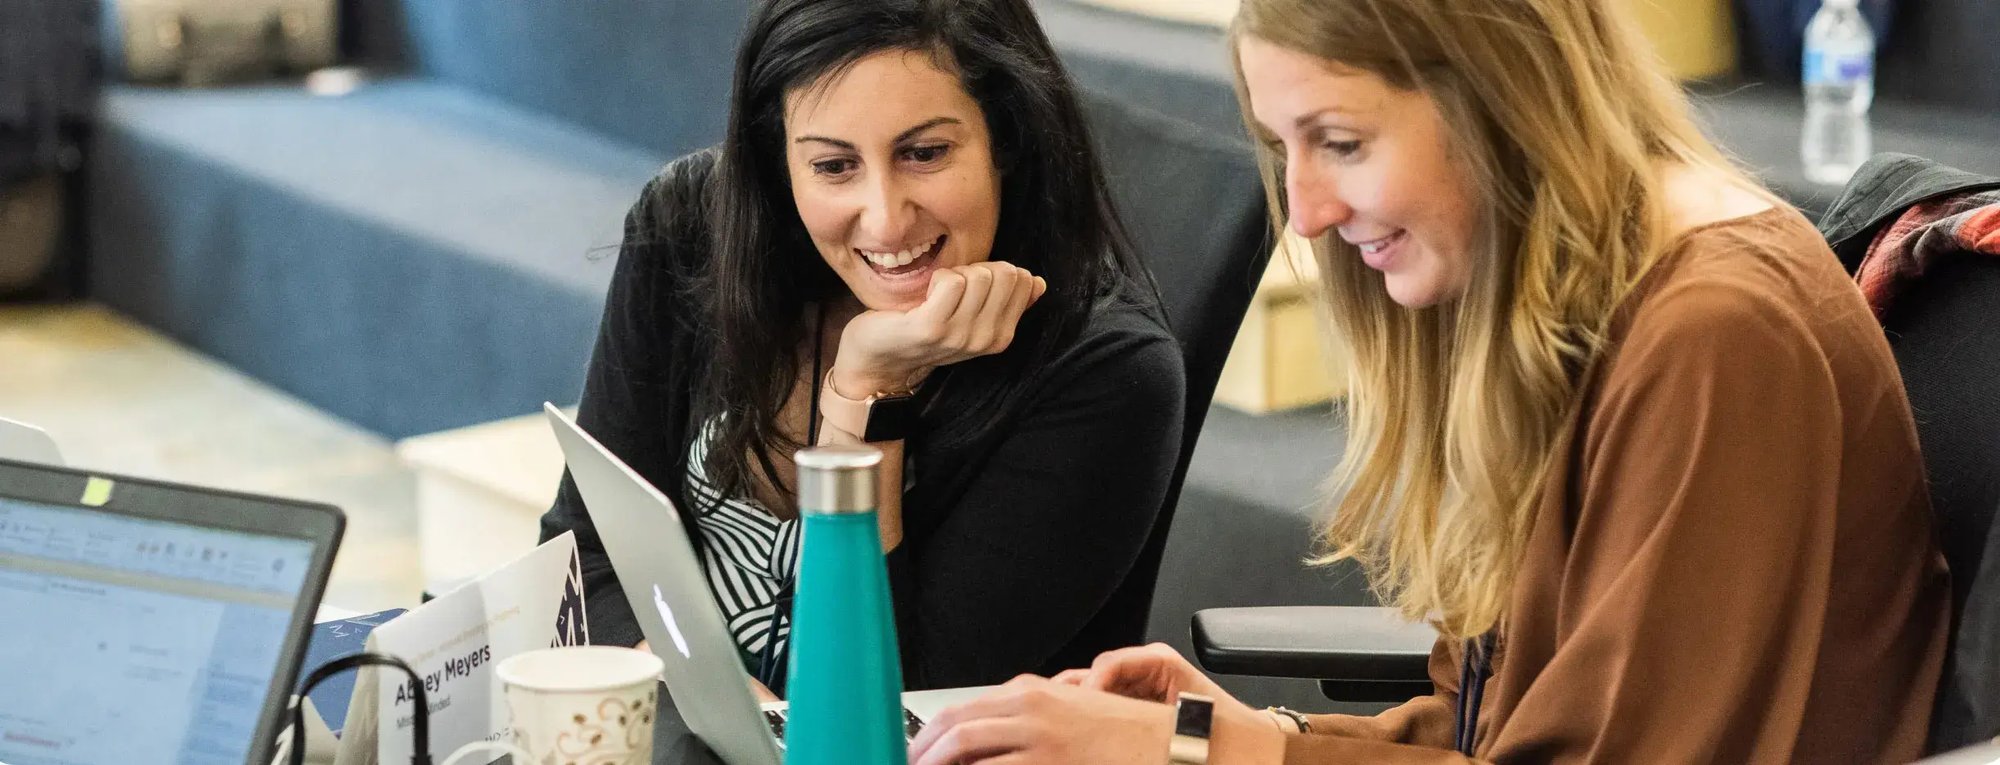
x: 1977, y: 754
x: 1945, y: 332
x: 1194, y: 207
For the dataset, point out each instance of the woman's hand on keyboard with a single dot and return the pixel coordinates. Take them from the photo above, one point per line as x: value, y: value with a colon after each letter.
x: 1034, y: 720
x: 1153, y: 672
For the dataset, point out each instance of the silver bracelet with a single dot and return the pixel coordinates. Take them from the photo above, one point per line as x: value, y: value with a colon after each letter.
x: 1296, y: 718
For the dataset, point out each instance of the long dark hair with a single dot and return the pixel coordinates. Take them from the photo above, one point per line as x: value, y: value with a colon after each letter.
x: 1056, y: 217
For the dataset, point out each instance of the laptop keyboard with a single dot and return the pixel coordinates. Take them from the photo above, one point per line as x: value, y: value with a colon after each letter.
x: 776, y: 719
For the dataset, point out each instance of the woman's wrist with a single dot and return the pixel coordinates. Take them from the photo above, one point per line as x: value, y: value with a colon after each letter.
x: 1283, y: 724
x: 1244, y: 736
x: 859, y: 383
x: 1288, y: 720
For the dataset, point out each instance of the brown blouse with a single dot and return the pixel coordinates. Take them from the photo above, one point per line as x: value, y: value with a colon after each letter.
x: 1733, y: 560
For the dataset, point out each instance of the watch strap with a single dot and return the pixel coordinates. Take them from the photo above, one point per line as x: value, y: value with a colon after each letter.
x: 877, y: 418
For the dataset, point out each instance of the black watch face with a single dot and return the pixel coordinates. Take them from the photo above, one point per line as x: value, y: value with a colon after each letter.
x: 891, y: 419
x: 1193, y: 718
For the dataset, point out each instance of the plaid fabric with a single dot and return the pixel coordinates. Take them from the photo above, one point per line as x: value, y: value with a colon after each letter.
x: 1925, y: 232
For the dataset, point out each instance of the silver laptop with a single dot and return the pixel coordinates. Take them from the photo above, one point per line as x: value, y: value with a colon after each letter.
x: 663, y: 579
x: 151, y: 624
x: 22, y: 442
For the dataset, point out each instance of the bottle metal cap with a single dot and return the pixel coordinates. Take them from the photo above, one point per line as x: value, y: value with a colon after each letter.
x: 838, y: 479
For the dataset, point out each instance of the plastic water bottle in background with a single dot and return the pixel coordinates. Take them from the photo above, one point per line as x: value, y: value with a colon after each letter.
x: 845, y: 681
x: 1840, y: 86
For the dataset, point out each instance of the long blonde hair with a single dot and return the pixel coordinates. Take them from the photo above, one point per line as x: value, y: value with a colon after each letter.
x: 1561, y: 118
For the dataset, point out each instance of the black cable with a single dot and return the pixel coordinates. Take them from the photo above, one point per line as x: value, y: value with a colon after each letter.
x: 819, y: 345
x: 768, y: 660
x: 420, y: 725
x: 781, y: 612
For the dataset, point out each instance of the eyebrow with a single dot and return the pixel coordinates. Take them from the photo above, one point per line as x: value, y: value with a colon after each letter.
x: 900, y: 137
x: 1311, y: 119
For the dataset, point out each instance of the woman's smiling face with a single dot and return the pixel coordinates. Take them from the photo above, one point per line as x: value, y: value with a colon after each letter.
x: 1368, y: 162
x: 892, y: 170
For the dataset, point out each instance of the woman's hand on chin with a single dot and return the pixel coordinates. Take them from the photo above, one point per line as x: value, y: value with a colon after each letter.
x: 970, y: 311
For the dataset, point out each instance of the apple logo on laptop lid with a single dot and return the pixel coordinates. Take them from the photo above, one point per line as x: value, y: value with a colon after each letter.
x: 673, y: 628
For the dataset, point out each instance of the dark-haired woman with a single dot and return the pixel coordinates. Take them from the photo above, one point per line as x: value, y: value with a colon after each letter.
x: 906, y: 215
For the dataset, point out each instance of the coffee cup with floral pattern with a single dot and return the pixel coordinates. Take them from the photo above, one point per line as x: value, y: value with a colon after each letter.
x: 578, y: 705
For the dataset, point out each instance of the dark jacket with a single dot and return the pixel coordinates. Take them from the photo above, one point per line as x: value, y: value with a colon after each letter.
x: 48, y: 52
x: 1945, y: 328
x: 1880, y: 191
x: 1012, y: 543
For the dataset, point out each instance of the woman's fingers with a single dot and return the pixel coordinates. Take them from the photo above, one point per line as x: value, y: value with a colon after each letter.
x: 1023, y: 296
x: 969, y: 311
x: 999, y: 297
x: 1071, y: 676
x: 992, y: 299
x: 978, y: 289
x: 1154, y: 672
x: 941, y: 301
x: 999, y: 703
x: 1033, y: 720
x: 1124, y: 671
x: 973, y: 741
x: 1013, y: 288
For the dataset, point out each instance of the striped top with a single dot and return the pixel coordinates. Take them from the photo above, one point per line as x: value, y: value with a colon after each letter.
x: 751, y: 558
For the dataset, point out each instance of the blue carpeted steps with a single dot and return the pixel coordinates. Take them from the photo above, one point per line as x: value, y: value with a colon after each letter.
x: 411, y: 257
x: 652, y: 73
x: 430, y: 251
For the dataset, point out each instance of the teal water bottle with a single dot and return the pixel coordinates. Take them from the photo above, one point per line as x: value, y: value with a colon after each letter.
x: 845, y: 681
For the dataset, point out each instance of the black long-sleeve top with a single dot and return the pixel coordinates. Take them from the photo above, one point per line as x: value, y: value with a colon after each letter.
x: 1012, y: 544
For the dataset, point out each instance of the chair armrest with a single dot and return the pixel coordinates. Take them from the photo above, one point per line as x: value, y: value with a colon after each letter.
x: 1315, y: 642
x: 1357, y: 653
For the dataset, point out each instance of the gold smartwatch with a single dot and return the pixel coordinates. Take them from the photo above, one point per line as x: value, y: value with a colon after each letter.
x: 879, y: 417
x: 1194, y: 717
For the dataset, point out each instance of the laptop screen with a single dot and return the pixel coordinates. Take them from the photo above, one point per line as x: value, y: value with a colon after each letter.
x: 131, y: 640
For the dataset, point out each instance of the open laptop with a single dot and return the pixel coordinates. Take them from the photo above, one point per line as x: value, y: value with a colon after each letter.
x: 22, y: 442
x: 663, y: 579
x: 145, y: 623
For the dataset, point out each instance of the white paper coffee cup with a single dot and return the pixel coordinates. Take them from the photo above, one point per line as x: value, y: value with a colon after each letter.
x: 594, y: 704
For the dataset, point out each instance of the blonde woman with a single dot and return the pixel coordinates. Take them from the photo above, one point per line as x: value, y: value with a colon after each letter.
x: 1620, y: 426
